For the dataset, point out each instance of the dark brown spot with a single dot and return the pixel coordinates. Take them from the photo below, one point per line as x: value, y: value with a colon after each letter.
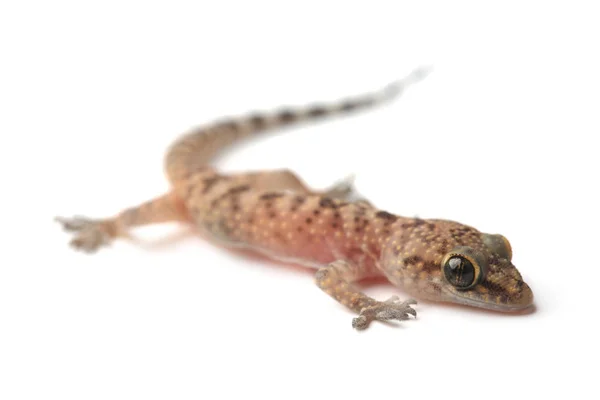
x: 235, y: 207
x: 430, y: 266
x: 336, y: 215
x: 519, y: 285
x: 386, y: 216
x: 299, y: 200
x: 504, y: 298
x: 308, y: 220
x: 271, y: 195
x: 436, y: 287
x: 230, y: 125
x: 349, y: 105
x: 257, y: 121
x: 299, y: 229
x: 271, y: 214
x: 334, y: 225
x: 317, y: 111
x: 412, y: 260
x: 326, y: 202
x: 223, y: 228
x: 316, y: 212
x: 209, y: 183
x: 231, y: 192
x: 287, y: 116
x: 493, y: 288
x: 413, y: 224
x: 238, y: 189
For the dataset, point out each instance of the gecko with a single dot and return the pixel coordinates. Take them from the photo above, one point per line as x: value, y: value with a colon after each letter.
x: 344, y: 239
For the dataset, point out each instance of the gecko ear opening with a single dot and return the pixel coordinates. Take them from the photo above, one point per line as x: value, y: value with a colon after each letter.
x: 498, y: 244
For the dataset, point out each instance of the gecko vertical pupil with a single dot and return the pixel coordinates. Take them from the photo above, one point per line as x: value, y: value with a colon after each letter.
x: 459, y: 272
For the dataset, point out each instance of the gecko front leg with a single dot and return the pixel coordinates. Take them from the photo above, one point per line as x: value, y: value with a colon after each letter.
x: 91, y: 234
x: 336, y: 280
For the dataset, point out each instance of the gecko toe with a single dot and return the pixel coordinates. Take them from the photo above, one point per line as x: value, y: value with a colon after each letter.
x: 411, y: 311
x: 90, y: 240
x: 74, y: 224
x: 342, y: 189
x: 360, y: 323
x: 391, y: 309
x: 392, y: 300
x: 90, y: 234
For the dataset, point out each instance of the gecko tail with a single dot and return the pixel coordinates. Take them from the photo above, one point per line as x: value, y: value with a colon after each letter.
x: 194, y: 151
x: 396, y: 88
x: 388, y: 93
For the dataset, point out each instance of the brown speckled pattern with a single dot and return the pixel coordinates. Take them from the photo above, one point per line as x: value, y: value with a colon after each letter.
x: 275, y: 213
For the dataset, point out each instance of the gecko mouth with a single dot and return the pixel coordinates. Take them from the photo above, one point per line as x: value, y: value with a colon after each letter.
x: 521, y: 301
x: 492, y: 306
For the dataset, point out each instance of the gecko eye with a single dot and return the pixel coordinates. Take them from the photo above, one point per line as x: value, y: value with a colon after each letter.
x: 459, y: 272
x: 462, y: 270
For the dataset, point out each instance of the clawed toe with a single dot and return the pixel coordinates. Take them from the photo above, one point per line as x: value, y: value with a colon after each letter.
x: 76, y: 223
x: 391, y: 309
x: 90, y: 240
x: 90, y: 234
x: 342, y: 189
x: 361, y: 322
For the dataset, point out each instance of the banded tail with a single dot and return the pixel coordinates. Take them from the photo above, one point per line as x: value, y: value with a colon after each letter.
x: 193, y: 151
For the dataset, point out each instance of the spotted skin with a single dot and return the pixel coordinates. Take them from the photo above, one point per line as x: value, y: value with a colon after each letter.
x: 346, y: 240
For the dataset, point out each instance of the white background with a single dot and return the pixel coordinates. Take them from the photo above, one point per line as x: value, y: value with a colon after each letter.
x: 503, y: 135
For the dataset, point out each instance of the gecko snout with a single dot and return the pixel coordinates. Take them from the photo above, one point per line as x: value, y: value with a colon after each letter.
x: 524, y: 298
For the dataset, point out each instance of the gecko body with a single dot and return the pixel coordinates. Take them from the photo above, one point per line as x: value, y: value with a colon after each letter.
x: 344, y: 239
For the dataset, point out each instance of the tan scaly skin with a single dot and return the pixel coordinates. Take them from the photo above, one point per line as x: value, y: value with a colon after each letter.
x: 275, y: 213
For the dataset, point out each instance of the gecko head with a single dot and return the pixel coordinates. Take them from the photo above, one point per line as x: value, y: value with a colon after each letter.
x: 483, y: 276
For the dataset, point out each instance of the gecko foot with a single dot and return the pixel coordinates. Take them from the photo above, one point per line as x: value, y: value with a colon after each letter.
x: 387, y: 310
x: 90, y: 234
x: 341, y: 190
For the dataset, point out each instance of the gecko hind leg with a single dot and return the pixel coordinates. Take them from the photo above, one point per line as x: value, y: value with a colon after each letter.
x: 342, y: 189
x: 92, y: 234
x: 287, y: 180
x: 336, y: 280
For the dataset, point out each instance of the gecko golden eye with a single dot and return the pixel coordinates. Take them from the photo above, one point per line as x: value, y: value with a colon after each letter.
x: 461, y: 272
